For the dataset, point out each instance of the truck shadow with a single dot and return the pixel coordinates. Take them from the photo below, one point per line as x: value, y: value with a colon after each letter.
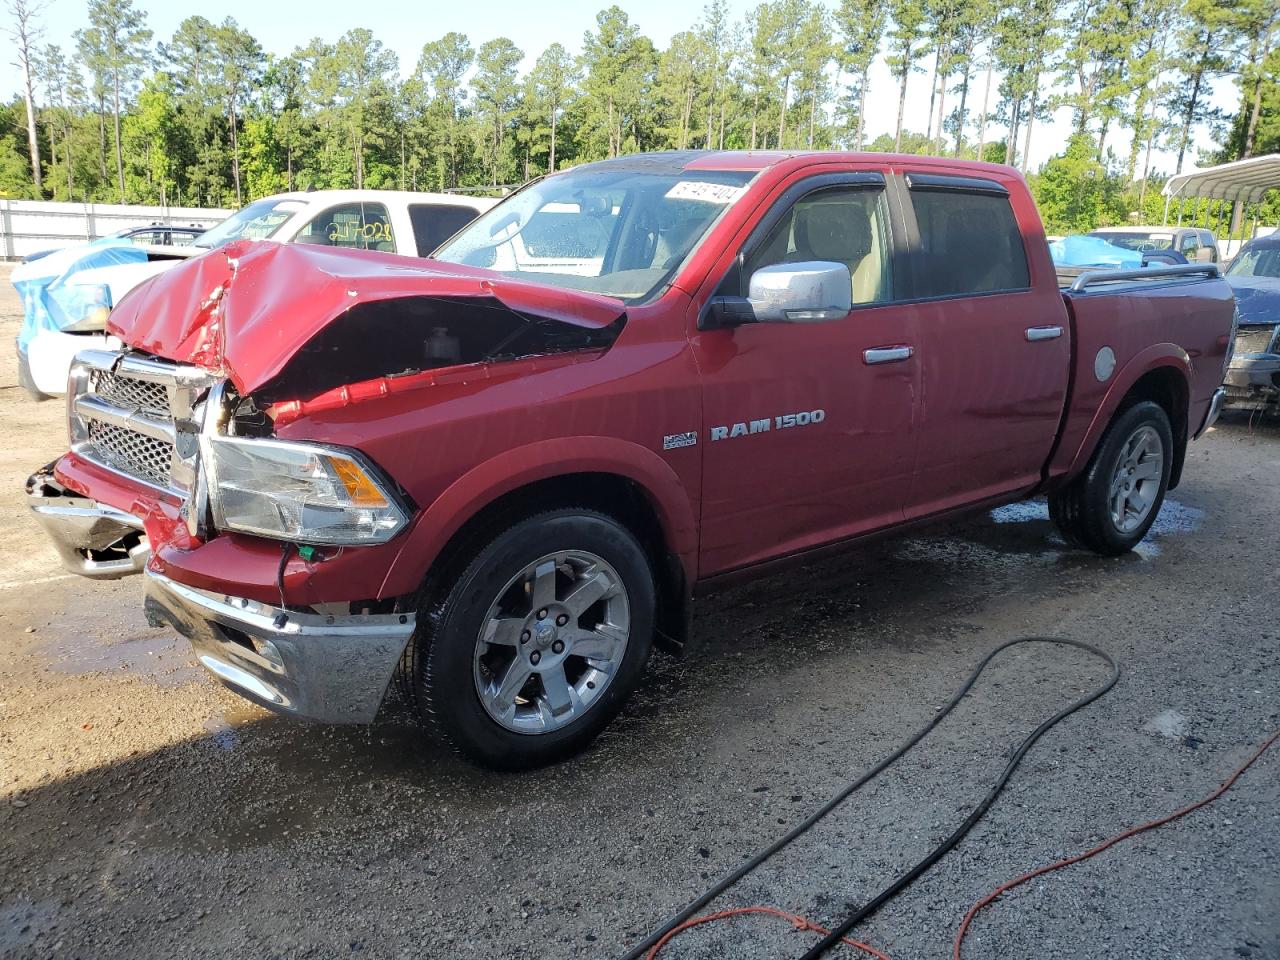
x: 256, y: 779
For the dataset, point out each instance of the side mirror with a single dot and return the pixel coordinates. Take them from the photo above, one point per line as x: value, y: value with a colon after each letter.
x: 807, y: 292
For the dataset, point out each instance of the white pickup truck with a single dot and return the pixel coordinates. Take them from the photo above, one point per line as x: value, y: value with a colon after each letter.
x: 391, y: 221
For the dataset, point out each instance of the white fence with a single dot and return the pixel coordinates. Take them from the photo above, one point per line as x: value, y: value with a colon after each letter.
x: 27, y: 226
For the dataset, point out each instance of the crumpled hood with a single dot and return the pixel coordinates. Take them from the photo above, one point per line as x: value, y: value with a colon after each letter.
x: 245, y: 309
x: 1257, y: 298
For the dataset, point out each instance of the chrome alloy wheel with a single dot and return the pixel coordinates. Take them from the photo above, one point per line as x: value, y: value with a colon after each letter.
x: 1136, y: 481
x: 551, y: 642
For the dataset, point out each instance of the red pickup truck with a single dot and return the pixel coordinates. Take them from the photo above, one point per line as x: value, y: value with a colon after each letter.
x: 507, y: 470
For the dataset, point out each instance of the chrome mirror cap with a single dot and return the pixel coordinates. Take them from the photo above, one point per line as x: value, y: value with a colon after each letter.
x: 807, y: 292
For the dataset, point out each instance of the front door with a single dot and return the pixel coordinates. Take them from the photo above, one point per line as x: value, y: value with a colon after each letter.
x: 809, y: 427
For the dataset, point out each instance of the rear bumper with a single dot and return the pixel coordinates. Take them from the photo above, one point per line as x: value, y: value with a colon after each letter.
x: 1211, y: 415
x: 92, y: 539
x: 334, y: 669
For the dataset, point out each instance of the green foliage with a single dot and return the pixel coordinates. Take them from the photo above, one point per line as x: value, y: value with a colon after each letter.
x: 15, y: 165
x: 207, y: 117
x: 1073, y: 191
x: 860, y: 25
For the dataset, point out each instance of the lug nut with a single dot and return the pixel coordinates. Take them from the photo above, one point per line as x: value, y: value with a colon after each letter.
x: 558, y: 647
x: 542, y: 614
x: 524, y: 637
x: 562, y: 620
x: 535, y: 657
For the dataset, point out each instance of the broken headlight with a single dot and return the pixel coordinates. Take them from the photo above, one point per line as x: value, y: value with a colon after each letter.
x: 299, y: 491
x: 88, y: 304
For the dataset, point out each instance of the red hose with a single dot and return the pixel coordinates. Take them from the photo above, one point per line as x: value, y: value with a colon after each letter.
x: 802, y: 923
x: 798, y: 922
x: 1125, y: 835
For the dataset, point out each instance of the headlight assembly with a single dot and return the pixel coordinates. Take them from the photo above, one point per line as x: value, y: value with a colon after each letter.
x: 304, y: 492
x: 88, y: 306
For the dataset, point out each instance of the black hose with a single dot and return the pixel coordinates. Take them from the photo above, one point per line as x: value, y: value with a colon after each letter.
x: 843, y: 794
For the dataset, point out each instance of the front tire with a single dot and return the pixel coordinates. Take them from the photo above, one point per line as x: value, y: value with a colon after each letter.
x: 539, y: 642
x: 1110, y: 507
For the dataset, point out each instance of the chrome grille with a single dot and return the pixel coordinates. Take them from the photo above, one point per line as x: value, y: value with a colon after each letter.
x: 131, y: 452
x: 138, y: 416
x: 145, y: 395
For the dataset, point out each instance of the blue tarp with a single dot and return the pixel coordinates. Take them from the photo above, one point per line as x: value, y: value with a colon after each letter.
x: 1079, y: 251
x: 49, y: 300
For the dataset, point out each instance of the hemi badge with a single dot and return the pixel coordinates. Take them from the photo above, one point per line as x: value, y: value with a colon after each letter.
x: 674, y: 441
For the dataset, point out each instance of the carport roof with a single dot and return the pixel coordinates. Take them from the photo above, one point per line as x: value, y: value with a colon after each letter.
x: 1247, y: 180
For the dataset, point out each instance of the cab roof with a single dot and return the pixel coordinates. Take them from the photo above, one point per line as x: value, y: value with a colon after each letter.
x: 752, y: 161
x: 353, y: 196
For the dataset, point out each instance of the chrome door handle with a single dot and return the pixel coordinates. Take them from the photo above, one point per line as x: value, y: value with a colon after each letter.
x: 1043, y: 333
x: 886, y: 354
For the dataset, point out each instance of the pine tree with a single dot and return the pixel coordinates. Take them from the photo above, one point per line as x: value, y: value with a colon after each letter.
x: 860, y: 25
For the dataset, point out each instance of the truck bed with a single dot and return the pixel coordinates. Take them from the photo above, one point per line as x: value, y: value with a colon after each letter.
x: 1129, y: 323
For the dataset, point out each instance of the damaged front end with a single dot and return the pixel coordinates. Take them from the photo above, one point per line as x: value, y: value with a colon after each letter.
x: 268, y: 552
x: 92, y: 539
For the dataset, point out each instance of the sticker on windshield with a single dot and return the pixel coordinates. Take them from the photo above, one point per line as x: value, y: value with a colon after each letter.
x: 705, y: 192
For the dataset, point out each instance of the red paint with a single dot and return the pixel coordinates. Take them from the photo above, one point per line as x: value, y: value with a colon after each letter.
x: 248, y: 307
x: 977, y: 414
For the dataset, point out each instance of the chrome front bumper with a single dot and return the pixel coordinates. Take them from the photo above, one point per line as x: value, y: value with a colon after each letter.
x: 92, y: 539
x: 334, y: 669
x: 1254, y: 377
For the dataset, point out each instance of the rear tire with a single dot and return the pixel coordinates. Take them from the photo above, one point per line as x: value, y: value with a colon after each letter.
x: 538, y: 644
x: 1110, y: 507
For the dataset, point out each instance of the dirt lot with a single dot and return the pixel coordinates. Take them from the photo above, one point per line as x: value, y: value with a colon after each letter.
x: 147, y: 813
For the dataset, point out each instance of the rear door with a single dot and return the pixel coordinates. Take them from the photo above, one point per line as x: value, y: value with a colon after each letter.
x: 994, y: 347
x: 809, y: 427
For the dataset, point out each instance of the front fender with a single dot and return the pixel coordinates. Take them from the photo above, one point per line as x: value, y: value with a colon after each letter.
x: 544, y: 460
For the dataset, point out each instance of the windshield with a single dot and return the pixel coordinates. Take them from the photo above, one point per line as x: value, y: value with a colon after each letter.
x: 1141, y: 242
x: 619, y: 232
x: 1256, y: 262
x: 257, y: 221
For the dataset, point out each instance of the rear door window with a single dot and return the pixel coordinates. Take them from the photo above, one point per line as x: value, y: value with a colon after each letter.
x: 434, y: 223
x: 354, y: 226
x: 969, y: 239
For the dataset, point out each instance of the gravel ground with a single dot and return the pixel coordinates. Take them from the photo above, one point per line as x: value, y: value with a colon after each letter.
x: 147, y: 813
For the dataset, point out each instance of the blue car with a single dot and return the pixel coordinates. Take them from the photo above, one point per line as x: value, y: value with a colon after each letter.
x: 1253, y: 378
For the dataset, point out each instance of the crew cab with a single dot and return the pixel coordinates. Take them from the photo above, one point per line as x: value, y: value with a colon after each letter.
x: 390, y: 221
x: 503, y: 482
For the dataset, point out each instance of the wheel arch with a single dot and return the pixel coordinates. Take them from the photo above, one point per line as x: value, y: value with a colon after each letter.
x: 1162, y: 374
x: 1169, y: 388
x: 612, y: 476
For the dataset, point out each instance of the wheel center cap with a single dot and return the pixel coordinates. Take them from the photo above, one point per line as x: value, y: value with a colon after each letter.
x: 544, y: 634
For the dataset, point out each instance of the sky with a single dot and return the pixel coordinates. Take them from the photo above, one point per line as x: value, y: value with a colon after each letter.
x: 405, y: 25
